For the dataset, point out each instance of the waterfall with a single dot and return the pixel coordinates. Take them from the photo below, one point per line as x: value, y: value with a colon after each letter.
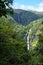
x: 28, y: 42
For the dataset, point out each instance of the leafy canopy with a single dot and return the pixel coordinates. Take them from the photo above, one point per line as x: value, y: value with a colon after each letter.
x: 5, y: 7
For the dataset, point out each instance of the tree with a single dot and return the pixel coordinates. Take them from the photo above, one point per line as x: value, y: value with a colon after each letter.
x: 5, y: 7
x: 12, y: 50
x: 37, y: 58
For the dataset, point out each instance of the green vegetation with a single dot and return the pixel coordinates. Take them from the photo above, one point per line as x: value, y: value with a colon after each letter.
x: 5, y: 7
x: 37, y: 57
x: 13, y: 48
x: 13, y: 43
x: 13, y: 51
x: 25, y: 17
x: 33, y: 28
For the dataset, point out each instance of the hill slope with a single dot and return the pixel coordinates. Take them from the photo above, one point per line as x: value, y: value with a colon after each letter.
x: 34, y: 30
x: 25, y: 17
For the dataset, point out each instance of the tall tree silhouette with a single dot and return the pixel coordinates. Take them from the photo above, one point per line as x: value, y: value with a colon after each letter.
x: 5, y: 7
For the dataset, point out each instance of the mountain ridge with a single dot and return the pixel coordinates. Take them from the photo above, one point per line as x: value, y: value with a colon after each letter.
x: 25, y: 17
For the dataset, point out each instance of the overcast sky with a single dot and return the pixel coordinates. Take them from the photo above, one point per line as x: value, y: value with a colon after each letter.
x: 35, y: 5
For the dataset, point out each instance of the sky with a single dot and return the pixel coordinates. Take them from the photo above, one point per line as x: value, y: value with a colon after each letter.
x: 35, y: 5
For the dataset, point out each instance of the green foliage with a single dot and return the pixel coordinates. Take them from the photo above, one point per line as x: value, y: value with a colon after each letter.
x: 13, y: 51
x: 13, y: 48
x: 37, y: 52
x: 5, y: 7
x: 25, y: 17
x: 33, y: 29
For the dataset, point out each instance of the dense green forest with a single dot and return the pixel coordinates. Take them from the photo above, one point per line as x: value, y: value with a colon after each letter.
x: 13, y: 36
x: 25, y: 17
x: 13, y: 50
x: 13, y: 46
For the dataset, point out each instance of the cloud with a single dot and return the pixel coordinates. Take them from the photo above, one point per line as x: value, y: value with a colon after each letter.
x: 15, y: 6
x: 39, y: 8
x: 41, y: 4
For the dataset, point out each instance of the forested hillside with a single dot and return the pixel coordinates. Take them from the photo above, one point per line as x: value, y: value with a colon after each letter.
x: 13, y: 50
x: 14, y: 29
x: 25, y: 17
x: 13, y: 45
x: 34, y: 30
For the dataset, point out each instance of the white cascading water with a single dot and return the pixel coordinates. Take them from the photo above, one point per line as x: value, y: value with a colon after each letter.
x: 28, y: 42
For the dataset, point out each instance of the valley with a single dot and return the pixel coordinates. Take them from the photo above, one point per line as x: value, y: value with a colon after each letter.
x: 14, y: 30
